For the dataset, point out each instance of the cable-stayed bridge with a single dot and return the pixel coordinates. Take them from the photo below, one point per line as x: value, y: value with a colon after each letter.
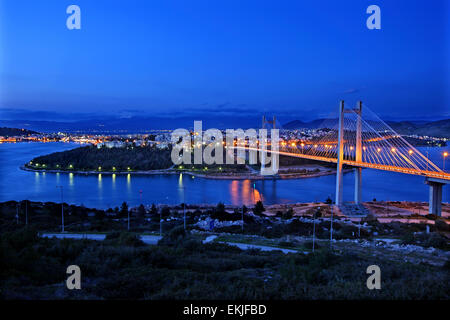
x: 360, y: 139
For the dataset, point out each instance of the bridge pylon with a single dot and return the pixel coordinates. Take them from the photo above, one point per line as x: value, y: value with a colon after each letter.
x: 358, y: 154
x: 273, y: 160
x: 340, y: 153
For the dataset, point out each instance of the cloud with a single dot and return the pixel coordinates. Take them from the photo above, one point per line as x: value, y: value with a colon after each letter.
x: 350, y: 91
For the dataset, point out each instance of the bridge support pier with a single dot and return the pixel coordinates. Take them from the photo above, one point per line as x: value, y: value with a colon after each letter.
x: 358, y: 185
x: 435, y: 198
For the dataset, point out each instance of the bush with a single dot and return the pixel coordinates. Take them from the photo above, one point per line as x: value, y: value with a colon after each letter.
x: 124, y: 238
x: 175, y: 237
x: 259, y: 208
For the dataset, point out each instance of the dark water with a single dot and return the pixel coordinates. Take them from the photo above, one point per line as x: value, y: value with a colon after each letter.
x: 109, y: 191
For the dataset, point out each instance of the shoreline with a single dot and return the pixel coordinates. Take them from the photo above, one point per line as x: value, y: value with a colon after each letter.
x: 246, y: 176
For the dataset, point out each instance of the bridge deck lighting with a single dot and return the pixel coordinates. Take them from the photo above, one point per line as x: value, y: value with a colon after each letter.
x: 302, y: 144
x: 393, y: 150
x: 379, y: 150
x: 364, y: 148
x: 410, y: 152
x: 445, y: 154
x: 293, y: 144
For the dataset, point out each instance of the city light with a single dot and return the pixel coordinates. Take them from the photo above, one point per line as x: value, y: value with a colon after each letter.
x: 393, y: 149
x: 410, y: 152
x: 99, y: 168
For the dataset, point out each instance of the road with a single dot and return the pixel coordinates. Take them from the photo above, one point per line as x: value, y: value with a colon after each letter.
x: 148, y: 239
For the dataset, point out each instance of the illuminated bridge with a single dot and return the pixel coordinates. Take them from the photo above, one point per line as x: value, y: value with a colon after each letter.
x: 360, y: 140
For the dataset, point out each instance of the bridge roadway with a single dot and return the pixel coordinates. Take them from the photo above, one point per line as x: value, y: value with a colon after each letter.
x: 424, y: 173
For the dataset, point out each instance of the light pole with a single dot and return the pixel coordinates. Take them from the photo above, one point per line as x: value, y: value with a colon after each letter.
x: 184, y: 207
x: 62, y: 208
x: 331, y: 227
x: 160, y: 222
x: 314, y: 227
x: 445, y: 154
x: 242, y: 219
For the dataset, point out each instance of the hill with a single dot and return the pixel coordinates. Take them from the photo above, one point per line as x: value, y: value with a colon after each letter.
x: 12, y: 132
x: 440, y: 128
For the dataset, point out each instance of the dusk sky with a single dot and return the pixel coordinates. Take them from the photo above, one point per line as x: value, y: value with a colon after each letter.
x: 294, y: 59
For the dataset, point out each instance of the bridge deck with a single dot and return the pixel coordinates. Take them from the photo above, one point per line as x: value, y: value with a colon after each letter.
x: 424, y: 173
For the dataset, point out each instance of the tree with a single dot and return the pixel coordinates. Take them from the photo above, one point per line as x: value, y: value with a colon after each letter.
x: 220, y: 208
x: 141, y: 210
x: 165, y: 212
x: 328, y: 201
x: 244, y: 209
x: 259, y: 208
x: 288, y: 214
x: 153, y: 210
x: 124, y: 209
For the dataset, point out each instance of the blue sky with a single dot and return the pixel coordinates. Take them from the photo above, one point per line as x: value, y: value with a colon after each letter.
x: 295, y: 59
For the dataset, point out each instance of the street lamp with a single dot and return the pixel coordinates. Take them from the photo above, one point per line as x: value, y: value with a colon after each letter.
x: 445, y: 154
x: 62, y: 208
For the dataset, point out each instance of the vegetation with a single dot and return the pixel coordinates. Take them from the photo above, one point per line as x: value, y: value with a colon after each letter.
x: 181, y: 267
x: 91, y: 158
x: 11, y: 132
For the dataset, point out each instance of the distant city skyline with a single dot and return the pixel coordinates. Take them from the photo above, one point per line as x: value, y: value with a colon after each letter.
x: 226, y: 60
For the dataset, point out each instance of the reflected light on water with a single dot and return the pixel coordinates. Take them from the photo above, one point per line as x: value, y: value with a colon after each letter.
x: 99, y: 179
x: 71, y: 179
x: 128, y: 181
x: 244, y: 192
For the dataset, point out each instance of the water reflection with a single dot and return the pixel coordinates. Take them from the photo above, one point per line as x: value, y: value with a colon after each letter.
x: 244, y: 192
x: 71, y: 179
